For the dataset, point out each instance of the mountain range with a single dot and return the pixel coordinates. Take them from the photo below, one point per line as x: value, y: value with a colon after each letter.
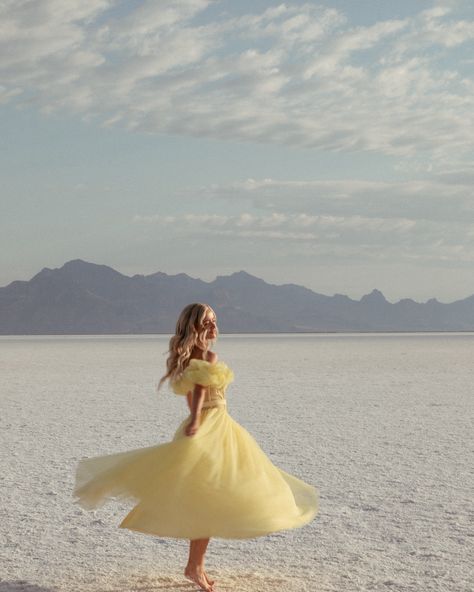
x: 86, y: 298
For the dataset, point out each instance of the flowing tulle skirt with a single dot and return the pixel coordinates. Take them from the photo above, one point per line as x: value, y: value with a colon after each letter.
x: 217, y: 483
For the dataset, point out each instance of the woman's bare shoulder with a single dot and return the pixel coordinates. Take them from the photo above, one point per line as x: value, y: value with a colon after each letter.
x: 212, y: 357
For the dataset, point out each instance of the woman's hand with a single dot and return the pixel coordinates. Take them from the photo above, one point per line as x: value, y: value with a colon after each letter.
x: 191, y: 428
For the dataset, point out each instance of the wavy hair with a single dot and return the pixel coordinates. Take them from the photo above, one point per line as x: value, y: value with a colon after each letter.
x: 190, y: 332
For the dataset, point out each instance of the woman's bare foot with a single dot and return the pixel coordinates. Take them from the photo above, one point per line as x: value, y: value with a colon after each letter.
x: 198, y: 576
x: 209, y: 581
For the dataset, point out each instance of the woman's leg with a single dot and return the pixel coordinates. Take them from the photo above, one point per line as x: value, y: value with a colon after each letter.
x: 195, y: 567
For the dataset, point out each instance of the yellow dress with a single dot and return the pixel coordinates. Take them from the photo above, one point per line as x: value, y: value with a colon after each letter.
x: 217, y: 483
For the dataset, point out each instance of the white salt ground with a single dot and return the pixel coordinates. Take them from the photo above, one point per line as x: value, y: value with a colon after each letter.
x: 380, y: 424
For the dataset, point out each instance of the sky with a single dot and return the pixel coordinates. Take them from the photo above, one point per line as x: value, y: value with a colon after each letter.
x: 327, y: 144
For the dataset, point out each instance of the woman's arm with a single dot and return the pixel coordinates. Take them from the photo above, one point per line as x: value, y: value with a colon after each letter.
x: 195, y: 406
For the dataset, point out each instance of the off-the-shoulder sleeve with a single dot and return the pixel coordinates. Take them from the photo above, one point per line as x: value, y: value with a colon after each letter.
x: 204, y: 373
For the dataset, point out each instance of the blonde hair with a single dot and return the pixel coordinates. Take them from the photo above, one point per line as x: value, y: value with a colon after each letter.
x: 190, y: 332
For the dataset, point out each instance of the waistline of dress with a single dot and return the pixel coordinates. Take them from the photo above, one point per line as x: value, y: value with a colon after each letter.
x: 215, y: 403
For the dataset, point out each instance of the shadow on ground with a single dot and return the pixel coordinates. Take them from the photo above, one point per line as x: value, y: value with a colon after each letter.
x: 225, y: 582
x: 23, y: 586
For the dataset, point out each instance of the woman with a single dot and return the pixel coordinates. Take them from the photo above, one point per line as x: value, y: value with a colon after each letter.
x: 212, y: 479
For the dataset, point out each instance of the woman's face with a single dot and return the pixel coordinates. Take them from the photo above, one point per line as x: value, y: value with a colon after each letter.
x: 210, y: 323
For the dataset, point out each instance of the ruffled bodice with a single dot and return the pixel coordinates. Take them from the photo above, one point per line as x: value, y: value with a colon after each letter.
x: 214, y: 376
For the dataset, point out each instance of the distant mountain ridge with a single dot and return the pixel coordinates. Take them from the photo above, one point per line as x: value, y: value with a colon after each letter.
x: 87, y: 298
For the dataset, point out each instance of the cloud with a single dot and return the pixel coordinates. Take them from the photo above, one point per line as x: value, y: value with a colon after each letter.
x: 447, y: 197
x: 338, y: 52
x: 296, y: 223
x: 338, y: 220
x: 344, y: 238
x: 298, y: 75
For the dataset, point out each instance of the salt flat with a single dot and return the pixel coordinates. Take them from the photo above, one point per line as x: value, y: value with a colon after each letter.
x: 380, y: 424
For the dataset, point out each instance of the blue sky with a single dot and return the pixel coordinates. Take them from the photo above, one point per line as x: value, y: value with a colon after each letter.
x: 325, y: 144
